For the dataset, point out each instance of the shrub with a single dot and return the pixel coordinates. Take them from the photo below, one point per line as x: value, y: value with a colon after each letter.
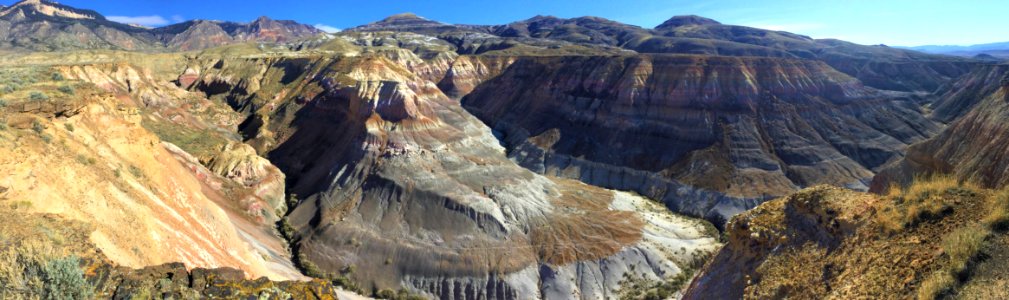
x: 84, y: 160
x: 64, y: 280
x: 137, y: 172
x: 33, y: 270
x: 309, y: 267
x: 69, y: 127
x: 38, y: 96
x: 286, y: 229
x: 58, y: 77
x: 3, y: 103
x: 37, y: 127
x: 66, y: 89
x: 292, y: 201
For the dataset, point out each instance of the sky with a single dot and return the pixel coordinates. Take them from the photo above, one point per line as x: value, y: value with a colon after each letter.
x: 890, y: 22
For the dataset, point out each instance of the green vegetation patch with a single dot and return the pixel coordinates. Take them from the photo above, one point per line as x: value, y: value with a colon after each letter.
x: 199, y: 143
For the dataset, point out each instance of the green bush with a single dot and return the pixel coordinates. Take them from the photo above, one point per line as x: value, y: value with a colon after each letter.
x: 58, y: 77
x: 137, y: 172
x: 66, y: 89
x: 38, y: 96
x: 34, y: 270
x: 69, y: 127
x: 65, y: 280
x: 286, y: 229
x: 84, y: 160
x: 309, y: 268
x: 37, y: 127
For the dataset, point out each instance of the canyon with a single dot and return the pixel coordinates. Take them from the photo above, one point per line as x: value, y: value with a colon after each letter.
x: 548, y: 158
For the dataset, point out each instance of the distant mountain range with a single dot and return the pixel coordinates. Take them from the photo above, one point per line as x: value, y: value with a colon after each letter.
x: 999, y: 50
x: 42, y: 25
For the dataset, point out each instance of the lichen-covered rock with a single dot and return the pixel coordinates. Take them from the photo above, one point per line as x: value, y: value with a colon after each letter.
x: 174, y: 281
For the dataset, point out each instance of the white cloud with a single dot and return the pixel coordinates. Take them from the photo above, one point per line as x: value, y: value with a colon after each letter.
x: 327, y: 28
x: 178, y: 19
x: 142, y: 20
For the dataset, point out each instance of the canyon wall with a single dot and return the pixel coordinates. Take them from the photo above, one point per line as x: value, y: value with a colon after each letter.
x: 710, y: 136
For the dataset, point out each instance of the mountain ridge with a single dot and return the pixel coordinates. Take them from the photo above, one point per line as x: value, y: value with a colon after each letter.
x: 47, y: 25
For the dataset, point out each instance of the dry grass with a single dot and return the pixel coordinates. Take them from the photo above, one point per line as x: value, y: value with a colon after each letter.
x: 921, y: 201
x: 38, y: 258
x: 988, y: 290
x: 19, y: 264
x: 936, y: 284
x: 962, y: 247
x: 791, y: 271
x: 587, y: 230
x: 998, y: 212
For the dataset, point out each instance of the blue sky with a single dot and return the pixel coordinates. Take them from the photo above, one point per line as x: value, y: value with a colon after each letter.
x: 891, y: 22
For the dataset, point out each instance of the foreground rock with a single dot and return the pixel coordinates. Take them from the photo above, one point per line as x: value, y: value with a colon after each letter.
x: 50, y: 256
x: 177, y: 282
x: 934, y: 239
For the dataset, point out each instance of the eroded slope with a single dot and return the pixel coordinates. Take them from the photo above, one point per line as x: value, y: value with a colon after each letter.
x: 75, y: 146
x: 402, y: 188
x: 710, y: 136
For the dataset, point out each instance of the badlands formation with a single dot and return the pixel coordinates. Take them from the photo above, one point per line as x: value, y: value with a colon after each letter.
x: 547, y: 158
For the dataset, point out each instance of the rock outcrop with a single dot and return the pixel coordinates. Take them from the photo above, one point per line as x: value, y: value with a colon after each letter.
x: 51, y: 256
x: 710, y: 136
x: 468, y: 71
x: 240, y: 163
x: 928, y: 241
